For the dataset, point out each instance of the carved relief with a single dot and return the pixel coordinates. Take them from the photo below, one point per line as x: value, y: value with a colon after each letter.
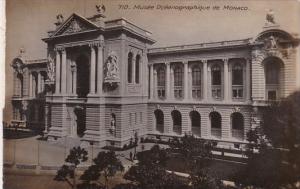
x: 111, y: 70
x: 74, y: 27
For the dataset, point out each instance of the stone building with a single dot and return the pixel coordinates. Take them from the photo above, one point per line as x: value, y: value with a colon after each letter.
x: 103, y: 83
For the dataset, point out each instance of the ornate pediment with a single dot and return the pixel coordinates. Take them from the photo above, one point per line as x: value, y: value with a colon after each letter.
x: 75, y: 24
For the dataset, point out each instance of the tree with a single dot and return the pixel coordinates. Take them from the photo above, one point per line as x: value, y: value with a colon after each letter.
x: 193, y: 149
x: 106, y: 163
x: 68, y: 171
x: 150, y: 173
x: 274, y: 148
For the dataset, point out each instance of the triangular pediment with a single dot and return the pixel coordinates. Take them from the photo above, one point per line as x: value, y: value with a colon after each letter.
x: 75, y: 24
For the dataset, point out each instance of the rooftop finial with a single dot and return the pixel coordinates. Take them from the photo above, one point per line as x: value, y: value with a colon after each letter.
x: 100, y: 9
x: 21, y: 51
x: 270, y: 17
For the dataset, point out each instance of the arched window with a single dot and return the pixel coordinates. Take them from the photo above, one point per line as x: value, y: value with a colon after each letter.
x: 83, y: 75
x: 161, y: 82
x: 215, y: 124
x: 196, y: 82
x: 237, y: 81
x: 137, y: 69
x: 272, y: 75
x: 196, y: 123
x: 178, y: 81
x: 159, y: 117
x: 129, y: 67
x: 216, y: 81
x: 176, y: 117
x: 237, y: 125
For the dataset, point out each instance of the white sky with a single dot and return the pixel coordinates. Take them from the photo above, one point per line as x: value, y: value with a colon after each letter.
x: 29, y: 20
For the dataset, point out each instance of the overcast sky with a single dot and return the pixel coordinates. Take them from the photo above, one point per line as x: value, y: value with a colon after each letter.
x: 29, y: 20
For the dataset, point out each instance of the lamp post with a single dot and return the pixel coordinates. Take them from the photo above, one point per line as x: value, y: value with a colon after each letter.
x: 92, y: 144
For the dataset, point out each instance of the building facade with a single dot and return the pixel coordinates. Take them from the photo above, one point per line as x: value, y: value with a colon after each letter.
x: 102, y: 83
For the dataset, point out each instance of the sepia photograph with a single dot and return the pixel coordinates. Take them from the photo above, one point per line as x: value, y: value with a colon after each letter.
x: 151, y: 94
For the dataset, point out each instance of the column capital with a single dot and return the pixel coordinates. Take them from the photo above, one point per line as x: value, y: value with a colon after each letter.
x: 204, y: 61
x: 185, y: 62
x: 59, y: 48
x: 96, y: 44
x: 167, y: 63
x: 225, y: 60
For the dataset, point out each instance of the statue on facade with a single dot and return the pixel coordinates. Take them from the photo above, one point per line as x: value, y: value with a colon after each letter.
x: 51, y: 69
x: 271, y: 43
x: 112, y: 68
x: 270, y: 17
x: 100, y: 9
x: 60, y: 18
x: 113, y: 124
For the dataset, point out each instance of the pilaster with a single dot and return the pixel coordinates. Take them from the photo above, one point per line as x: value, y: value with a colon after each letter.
x: 64, y: 72
x: 151, y: 81
x: 57, y: 73
x: 186, y: 80
x: 226, y: 80
x: 92, y: 70
x: 99, y: 69
x: 205, y: 80
x: 167, y: 80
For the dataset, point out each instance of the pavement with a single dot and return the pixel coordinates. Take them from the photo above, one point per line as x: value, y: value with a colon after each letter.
x: 31, y: 151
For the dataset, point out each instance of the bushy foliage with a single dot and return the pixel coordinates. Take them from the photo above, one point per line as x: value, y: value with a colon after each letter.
x: 274, y: 147
x: 68, y: 171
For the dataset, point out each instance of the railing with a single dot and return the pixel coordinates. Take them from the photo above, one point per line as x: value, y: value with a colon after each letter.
x: 161, y: 92
x: 237, y: 91
x: 196, y: 92
x: 238, y: 134
x: 178, y: 92
x: 215, y: 132
x: 196, y: 131
x: 216, y: 91
x: 177, y: 129
x: 160, y: 128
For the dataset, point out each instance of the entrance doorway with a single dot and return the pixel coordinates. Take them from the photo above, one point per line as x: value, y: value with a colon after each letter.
x: 83, y: 76
x: 80, y: 121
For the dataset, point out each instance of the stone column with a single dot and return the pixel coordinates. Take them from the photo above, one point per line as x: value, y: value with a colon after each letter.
x: 75, y: 81
x: 247, y: 84
x: 39, y: 83
x: 151, y: 81
x: 154, y: 84
x: 226, y: 80
x: 93, y: 70
x: 57, y: 72
x: 30, y: 85
x: 64, y: 72
x: 205, y: 79
x: 186, y: 80
x: 167, y: 80
x: 100, y: 69
x: 133, y: 69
